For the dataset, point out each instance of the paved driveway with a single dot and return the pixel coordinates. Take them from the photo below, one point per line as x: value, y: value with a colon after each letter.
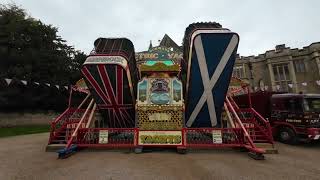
x: 24, y: 157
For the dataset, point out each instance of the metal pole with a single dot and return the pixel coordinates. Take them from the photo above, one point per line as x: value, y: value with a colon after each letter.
x: 70, y: 95
x: 85, y: 99
x: 91, y: 115
x: 229, y: 115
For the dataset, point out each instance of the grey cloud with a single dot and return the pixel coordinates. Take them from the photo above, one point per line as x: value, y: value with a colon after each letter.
x: 260, y: 24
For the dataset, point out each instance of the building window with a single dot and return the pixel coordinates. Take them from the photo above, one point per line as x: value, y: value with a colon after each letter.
x: 281, y: 77
x: 300, y: 66
x: 238, y: 72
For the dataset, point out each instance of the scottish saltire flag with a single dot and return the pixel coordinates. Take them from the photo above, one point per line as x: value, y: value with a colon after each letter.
x: 211, y: 59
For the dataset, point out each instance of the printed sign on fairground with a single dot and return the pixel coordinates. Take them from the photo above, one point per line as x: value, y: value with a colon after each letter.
x: 103, y: 136
x: 160, y: 138
x: 217, y: 137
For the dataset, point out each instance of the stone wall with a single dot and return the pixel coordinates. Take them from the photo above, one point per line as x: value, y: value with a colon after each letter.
x: 18, y: 119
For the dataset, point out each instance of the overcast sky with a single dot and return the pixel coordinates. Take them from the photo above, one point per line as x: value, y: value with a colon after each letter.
x: 260, y: 24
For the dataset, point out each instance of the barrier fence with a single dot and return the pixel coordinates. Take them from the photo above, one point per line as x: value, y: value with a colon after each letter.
x: 190, y: 137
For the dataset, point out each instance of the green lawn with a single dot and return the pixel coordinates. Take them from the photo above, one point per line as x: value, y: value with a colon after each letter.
x: 21, y: 130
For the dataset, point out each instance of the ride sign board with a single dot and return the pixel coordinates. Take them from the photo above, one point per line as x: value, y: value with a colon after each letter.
x: 216, y: 137
x: 160, y: 138
x: 103, y: 137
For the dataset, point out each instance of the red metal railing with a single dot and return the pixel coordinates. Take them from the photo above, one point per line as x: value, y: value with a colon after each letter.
x: 117, y: 137
x: 250, y: 115
x: 203, y: 137
x: 248, y: 140
x: 191, y: 138
x: 59, y: 125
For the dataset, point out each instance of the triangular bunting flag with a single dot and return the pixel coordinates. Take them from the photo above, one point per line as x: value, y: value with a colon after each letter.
x: 318, y: 82
x: 37, y: 83
x: 8, y: 81
x: 66, y: 87
x: 47, y: 84
x: 304, y: 84
x: 24, y: 82
x: 290, y: 85
x: 57, y: 86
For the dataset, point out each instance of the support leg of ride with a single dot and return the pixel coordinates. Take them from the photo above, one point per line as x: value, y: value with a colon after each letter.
x: 256, y: 156
x: 67, y: 152
x: 138, y: 150
x: 181, y: 150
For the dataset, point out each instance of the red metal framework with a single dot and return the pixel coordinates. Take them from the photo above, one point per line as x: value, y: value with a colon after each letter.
x: 249, y: 128
x: 191, y: 138
x: 112, y: 82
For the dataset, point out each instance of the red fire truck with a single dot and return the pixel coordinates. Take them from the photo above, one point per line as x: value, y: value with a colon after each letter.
x: 293, y: 117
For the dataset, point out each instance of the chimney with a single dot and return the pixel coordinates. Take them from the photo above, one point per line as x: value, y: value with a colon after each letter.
x: 280, y: 47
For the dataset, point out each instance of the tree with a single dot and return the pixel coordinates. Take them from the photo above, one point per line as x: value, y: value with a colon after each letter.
x: 32, y: 51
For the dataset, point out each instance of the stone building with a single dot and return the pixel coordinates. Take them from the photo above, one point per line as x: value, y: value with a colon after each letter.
x: 282, y: 69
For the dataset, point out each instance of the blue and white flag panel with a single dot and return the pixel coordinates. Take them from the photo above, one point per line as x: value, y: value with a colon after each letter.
x: 210, y: 65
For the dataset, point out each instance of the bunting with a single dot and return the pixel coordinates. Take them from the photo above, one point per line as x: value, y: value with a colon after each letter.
x: 263, y: 88
x: 24, y: 82
x: 8, y: 81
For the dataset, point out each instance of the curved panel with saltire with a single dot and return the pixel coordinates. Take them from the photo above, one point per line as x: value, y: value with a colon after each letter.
x: 210, y: 52
x: 111, y: 76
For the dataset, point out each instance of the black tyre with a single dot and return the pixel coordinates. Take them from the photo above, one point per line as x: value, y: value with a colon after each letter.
x: 287, y: 135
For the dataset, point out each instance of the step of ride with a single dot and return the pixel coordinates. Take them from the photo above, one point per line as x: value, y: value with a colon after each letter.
x: 58, y: 141
x: 261, y: 135
x: 261, y: 140
x: 60, y: 135
x: 268, y: 147
x: 54, y: 147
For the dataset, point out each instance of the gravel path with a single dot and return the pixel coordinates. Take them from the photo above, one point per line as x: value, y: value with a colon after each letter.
x: 24, y: 157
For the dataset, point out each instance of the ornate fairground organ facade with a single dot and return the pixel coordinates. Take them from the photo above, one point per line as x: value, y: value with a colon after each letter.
x: 160, y: 104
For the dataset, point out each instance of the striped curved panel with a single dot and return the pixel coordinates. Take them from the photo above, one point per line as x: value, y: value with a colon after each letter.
x: 108, y: 79
x: 211, y: 56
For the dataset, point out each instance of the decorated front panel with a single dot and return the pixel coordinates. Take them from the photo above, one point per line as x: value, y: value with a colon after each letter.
x: 160, y: 104
x: 109, y: 83
x: 209, y: 71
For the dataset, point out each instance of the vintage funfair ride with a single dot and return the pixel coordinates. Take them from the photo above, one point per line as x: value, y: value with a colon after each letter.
x: 166, y: 100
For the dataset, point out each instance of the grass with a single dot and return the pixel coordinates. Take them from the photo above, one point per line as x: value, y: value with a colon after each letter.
x: 21, y: 130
